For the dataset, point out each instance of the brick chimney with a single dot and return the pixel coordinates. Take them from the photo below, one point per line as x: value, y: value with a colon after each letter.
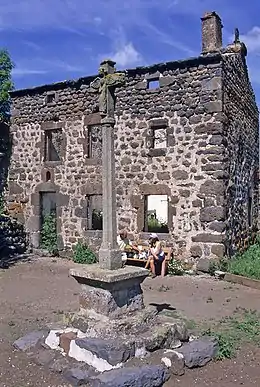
x: 211, y: 32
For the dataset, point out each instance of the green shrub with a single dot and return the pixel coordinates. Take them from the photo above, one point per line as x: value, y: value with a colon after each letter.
x: 175, y: 267
x: 49, y: 234
x: 155, y: 225
x: 83, y: 254
x: 2, y: 204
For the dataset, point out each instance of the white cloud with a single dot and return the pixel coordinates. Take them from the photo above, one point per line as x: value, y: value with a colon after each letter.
x: 252, y: 39
x: 20, y: 72
x: 127, y: 55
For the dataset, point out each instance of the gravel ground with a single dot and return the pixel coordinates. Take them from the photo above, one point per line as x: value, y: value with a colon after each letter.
x: 35, y: 293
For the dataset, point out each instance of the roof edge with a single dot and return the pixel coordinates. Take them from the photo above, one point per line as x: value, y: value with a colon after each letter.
x: 190, y: 62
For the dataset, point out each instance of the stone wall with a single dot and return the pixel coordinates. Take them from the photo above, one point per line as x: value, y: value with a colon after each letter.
x: 194, y: 104
x: 187, y: 104
x: 5, y: 149
x: 242, y: 149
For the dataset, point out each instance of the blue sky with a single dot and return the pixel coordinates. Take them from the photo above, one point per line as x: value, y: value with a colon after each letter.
x: 54, y: 40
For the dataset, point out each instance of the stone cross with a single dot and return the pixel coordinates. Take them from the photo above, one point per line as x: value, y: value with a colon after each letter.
x: 109, y: 254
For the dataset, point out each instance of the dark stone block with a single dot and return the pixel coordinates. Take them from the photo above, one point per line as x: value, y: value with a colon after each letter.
x: 171, y: 140
x: 216, y: 139
x: 208, y: 238
x: 209, y: 128
x: 185, y: 193
x: 209, y: 214
x: 14, y: 188
x: 213, y: 167
x: 78, y: 376
x: 163, y: 176
x: 167, y: 81
x: 158, y: 123
x: 157, y: 152
x: 217, y: 226
x: 197, y: 203
x: 141, y: 85
x: 218, y: 250
x: 146, y: 376
x: 199, y: 352
x: 30, y: 340
x: 113, y: 351
x: 212, y: 187
x: 214, y: 106
x: 180, y: 175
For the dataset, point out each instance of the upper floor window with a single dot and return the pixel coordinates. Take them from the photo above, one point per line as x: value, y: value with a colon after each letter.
x: 95, y: 142
x: 53, y: 145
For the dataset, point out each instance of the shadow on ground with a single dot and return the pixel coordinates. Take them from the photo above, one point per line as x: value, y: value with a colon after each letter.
x: 6, y: 262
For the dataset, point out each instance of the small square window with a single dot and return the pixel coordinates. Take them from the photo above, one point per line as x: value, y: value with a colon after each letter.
x: 153, y: 84
x: 94, y: 212
x: 50, y: 98
x: 53, y: 145
x: 159, y: 138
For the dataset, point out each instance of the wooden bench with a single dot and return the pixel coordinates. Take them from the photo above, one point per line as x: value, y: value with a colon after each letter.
x: 142, y: 261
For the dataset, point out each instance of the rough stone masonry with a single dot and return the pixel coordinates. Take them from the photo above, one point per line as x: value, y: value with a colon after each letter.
x: 208, y: 165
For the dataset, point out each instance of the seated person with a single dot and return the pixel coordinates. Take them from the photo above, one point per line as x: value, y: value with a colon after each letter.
x: 125, y: 245
x: 156, y: 255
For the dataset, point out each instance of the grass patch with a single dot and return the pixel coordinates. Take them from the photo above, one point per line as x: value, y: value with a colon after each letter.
x: 246, y: 264
x: 243, y: 327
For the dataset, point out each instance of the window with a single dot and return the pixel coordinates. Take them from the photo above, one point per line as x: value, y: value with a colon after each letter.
x: 50, y: 98
x: 53, y: 145
x: 95, y: 142
x: 159, y: 138
x: 156, y: 214
x: 153, y: 84
x: 94, y: 212
x: 48, y: 176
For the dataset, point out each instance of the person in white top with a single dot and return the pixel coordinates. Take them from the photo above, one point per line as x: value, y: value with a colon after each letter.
x: 125, y: 244
x: 156, y: 255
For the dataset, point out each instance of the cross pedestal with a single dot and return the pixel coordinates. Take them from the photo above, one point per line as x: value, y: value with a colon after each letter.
x: 107, y: 289
x: 109, y: 293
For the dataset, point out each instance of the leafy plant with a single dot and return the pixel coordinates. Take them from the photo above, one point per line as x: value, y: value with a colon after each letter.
x: 155, y: 225
x: 83, y: 254
x: 175, y: 267
x: 2, y: 204
x: 49, y: 234
x: 6, y: 85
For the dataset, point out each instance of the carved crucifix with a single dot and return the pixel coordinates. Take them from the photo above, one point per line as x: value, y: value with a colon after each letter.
x: 106, y: 85
x: 109, y: 254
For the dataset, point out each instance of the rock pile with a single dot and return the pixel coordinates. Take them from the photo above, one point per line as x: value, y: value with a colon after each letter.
x: 12, y: 237
x: 146, y: 349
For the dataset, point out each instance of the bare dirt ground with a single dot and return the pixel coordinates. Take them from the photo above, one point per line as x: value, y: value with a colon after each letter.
x: 34, y: 294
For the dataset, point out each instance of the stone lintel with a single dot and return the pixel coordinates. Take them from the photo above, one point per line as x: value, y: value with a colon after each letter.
x: 105, y: 276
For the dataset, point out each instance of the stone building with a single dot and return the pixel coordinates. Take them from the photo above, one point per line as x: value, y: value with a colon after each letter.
x: 186, y: 137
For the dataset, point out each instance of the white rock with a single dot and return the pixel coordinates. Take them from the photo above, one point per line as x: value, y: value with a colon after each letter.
x: 81, y: 354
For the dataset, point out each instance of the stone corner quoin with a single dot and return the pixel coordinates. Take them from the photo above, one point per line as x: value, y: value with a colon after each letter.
x: 207, y: 164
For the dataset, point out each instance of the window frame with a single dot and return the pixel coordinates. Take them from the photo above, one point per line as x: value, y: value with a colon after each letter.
x: 89, y: 212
